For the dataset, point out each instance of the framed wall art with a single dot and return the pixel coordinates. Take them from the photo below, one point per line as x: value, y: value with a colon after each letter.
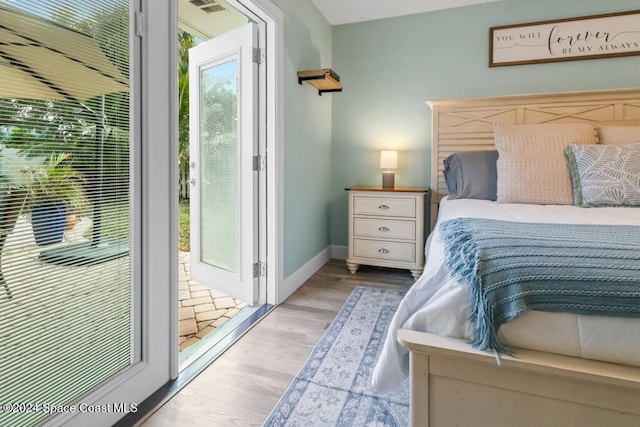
x: 596, y: 36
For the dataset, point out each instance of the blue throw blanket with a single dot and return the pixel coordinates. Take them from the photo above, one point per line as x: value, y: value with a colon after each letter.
x: 512, y: 267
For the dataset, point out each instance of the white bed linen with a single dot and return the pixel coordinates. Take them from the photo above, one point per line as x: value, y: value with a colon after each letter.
x: 438, y: 304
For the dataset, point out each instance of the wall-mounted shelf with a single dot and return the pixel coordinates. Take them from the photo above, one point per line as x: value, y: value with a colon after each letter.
x: 325, y: 80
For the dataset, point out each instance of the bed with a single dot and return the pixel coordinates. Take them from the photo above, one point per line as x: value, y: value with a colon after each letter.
x: 566, y: 369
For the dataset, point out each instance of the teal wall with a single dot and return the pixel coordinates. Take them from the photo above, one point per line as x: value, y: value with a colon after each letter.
x: 307, y: 135
x: 391, y: 67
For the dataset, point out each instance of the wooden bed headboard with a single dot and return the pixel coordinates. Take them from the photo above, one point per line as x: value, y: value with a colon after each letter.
x: 467, y: 124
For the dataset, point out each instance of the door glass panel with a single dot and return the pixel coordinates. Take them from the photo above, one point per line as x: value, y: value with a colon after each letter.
x: 219, y: 176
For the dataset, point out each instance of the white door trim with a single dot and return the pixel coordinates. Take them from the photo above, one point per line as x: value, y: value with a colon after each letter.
x: 273, y: 43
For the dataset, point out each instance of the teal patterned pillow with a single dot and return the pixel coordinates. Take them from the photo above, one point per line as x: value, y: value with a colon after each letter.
x: 604, y: 175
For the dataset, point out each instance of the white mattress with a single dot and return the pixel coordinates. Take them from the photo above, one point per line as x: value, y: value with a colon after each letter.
x: 438, y: 304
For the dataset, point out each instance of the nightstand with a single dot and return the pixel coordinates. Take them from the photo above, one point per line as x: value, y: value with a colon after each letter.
x: 386, y: 228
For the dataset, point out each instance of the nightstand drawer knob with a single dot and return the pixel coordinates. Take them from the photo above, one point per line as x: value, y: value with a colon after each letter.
x: 383, y: 229
x: 383, y: 207
x: 383, y: 251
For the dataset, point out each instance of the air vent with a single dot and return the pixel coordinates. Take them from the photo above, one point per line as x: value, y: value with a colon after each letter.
x: 201, y: 2
x: 213, y: 8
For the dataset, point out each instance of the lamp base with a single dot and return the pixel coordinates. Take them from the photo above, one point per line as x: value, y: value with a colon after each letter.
x: 388, y: 180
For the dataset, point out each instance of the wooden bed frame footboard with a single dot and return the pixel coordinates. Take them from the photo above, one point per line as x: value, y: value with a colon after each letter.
x: 453, y: 384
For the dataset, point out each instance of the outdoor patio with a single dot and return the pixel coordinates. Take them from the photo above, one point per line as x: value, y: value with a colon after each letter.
x: 202, y: 309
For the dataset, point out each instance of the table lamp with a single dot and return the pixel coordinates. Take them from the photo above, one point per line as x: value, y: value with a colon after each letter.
x: 388, y: 160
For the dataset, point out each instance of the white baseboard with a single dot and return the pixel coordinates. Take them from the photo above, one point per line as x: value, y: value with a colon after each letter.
x: 298, y: 277
x: 339, y: 252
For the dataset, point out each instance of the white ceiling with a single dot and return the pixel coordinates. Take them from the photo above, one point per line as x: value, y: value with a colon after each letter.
x: 348, y: 11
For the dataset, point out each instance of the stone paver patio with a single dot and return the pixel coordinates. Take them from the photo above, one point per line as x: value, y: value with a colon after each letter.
x: 202, y: 309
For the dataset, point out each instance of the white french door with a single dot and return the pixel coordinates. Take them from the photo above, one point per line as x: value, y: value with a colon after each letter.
x: 223, y: 133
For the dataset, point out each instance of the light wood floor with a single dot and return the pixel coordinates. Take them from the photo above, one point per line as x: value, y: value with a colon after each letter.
x: 244, y: 384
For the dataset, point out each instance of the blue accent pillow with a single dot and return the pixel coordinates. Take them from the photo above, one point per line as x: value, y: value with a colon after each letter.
x: 604, y: 175
x: 472, y: 175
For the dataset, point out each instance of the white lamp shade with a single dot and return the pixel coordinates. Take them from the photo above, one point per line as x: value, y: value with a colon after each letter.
x: 388, y: 159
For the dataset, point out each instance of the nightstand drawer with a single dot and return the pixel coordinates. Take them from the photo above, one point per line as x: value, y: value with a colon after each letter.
x: 386, y: 206
x: 378, y: 249
x: 384, y: 228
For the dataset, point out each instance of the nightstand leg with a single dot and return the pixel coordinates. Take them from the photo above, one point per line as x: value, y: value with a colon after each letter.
x: 416, y: 274
x: 353, y: 267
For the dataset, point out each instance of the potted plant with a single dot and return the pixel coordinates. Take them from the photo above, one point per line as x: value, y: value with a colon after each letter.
x: 53, y: 190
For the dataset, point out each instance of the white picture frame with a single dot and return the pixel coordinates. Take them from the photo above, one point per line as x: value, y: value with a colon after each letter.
x: 587, y: 37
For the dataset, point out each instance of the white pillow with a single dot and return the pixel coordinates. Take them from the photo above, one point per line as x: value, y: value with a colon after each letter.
x: 532, y: 167
x: 619, y: 134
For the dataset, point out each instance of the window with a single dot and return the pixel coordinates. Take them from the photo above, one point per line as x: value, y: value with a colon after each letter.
x: 65, y: 271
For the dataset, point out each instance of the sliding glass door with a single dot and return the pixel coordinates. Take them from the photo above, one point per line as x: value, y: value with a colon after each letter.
x: 76, y: 308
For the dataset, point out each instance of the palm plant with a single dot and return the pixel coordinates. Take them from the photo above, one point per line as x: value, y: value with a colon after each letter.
x: 55, y: 181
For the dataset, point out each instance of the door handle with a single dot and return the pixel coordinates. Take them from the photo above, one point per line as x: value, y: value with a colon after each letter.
x: 192, y: 181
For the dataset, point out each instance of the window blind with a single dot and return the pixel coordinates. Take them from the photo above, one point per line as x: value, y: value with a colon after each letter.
x: 65, y: 273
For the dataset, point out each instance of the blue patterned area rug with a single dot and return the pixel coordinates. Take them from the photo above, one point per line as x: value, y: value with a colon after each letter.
x: 333, y: 388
